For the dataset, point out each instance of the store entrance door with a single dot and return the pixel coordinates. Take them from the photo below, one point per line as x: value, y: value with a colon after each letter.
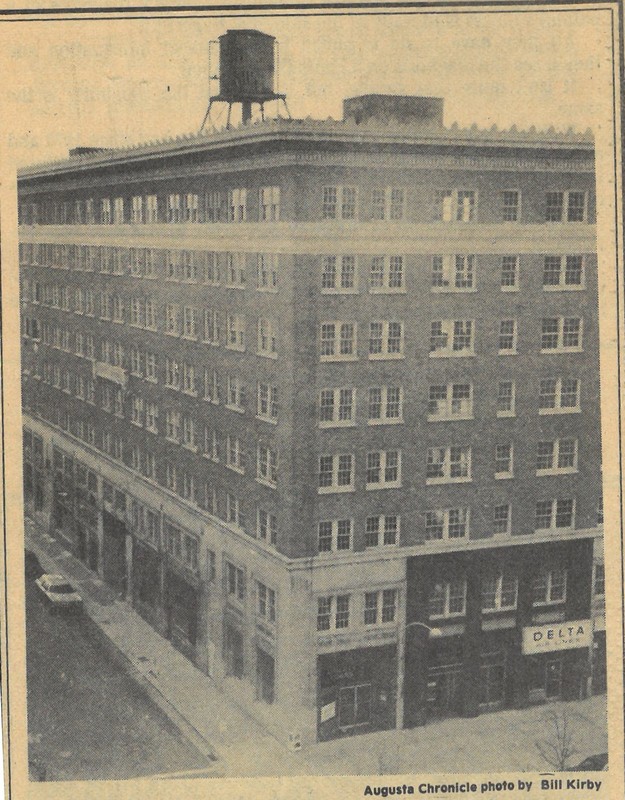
x: 354, y: 706
x: 553, y: 679
x: 234, y: 652
x: 444, y: 692
x: 545, y: 674
x: 493, y: 675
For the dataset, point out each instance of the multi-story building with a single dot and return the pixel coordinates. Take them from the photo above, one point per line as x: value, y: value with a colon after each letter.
x: 321, y: 399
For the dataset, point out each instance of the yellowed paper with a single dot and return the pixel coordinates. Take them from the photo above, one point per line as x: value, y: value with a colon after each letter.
x: 311, y: 358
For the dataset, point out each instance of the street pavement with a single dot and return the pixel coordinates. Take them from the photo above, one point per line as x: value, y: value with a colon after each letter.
x: 87, y: 719
x: 504, y: 741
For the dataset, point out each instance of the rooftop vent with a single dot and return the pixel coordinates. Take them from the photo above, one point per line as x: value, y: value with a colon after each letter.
x: 384, y: 108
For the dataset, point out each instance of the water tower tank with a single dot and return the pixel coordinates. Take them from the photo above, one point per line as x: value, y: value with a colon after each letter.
x: 246, y: 66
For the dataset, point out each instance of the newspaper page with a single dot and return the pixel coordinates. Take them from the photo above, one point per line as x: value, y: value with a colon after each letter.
x: 311, y: 357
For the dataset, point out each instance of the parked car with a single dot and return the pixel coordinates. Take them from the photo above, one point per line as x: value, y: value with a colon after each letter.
x: 59, y: 593
x: 590, y: 763
x: 32, y: 567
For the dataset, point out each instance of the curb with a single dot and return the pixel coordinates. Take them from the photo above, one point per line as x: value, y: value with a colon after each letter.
x: 97, y: 634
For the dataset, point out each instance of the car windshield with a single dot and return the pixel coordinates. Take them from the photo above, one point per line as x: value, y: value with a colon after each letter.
x: 62, y: 588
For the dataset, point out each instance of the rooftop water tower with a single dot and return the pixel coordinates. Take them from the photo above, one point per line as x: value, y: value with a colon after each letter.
x: 247, y: 72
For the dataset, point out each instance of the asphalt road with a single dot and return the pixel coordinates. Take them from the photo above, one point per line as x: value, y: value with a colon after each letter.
x: 87, y: 719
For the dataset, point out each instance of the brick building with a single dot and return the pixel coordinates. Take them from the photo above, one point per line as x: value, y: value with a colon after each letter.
x: 321, y: 399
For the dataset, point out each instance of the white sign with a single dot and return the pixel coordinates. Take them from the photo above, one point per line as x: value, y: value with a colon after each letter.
x: 328, y: 711
x: 557, y: 636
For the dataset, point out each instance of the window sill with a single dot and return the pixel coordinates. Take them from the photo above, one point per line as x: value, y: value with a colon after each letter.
x: 262, y: 354
x: 270, y: 420
x: 338, y: 291
x: 549, y: 411
x: 506, y: 415
x: 451, y: 354
x: 397, y: 421
x: 574, y: 288
x: 386, y: 356
x: 507, y: 353
x: 566, y: 471
x: 265, y: 482
x: 371, y: 487
x: 509, y: 289
x: 235, y: 349
x: 334, y: 489
x: 502, y: 476
x: 452, y: 290
x: 236, y: 469
x: 238, y: 409
x: 441, y: 481
x: 387, y: 290
x: 458, y: 418
x: 326, y: 425
x: 560, y: 350
x: 210, y: 343
x: 337, y: 359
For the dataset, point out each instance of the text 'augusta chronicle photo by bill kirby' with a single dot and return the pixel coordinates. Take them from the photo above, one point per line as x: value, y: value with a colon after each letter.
x: 310, y: 375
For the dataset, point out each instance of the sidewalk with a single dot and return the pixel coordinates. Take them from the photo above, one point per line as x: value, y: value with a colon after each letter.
x: 504, y: 741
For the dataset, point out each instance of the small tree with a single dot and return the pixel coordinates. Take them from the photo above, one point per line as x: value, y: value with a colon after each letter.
x: 558, y: 746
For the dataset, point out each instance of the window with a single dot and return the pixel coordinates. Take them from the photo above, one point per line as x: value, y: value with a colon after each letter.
x: 386, y: 274
x: 235, y: 454
x: 382, y: 530
x: 502, y: 520
x: 339, y: 202
x: 509, y: 273
x: 503, y: 460
x: 151, y: 208
x: 507, y: 337
x: 383, y: 469
x: 338, y: 341
x: 599, y: 580
x: 136, y: 216
x: 505, y: 399
x: 172, y: 373
x: 267, y: 338
x: 267, y: 272
x: 549, y: 586
x: 172, y: 418
x: 188, y: 266
x: 565, y: 207
x: 552, y: 514
x: 234, y: 510
x: 267, y: 464
x: 563, y: 272
x: 450, y: 401
x: 447, y: 523
x: 558, y: 456
x: 388, y: 203
x: 211, y: 444
x: 499, y: 592
x: 267, y: 402
x: 269, y: 203
x: 118, y: 210
x: 190, y: 203
x: 190, y: 322
x: 448, y: 598
x: 213, y: 207
x: 266, y: 602
x: 385, y: 404
x: 174, y: 208
x: 236, y: 332
x: 338, y: 274
x: 188, y: 433
x: 211, y: 326
x: 334, y: 535
x: 558, y: 395
x: 448, y: 464
x: 451, y: 338
x: 236, y: 268
x: 267, y: 525
x: 237, y: 205
x: 384, y: 601
x: 151, y: 364
x: 453, y: 273
x: 235, y: 583
x: 236, y: 393
x: 151, y: 417
x: 333, y: 612
x: 386, y: 340
x: 336, y: 473
x: 172, y: 319
x: 336, y: 407
x: 455, y: 205
x: 105, y: 211
x: 561, y: 333
x: 137, y: 405
x: 510, y: 206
